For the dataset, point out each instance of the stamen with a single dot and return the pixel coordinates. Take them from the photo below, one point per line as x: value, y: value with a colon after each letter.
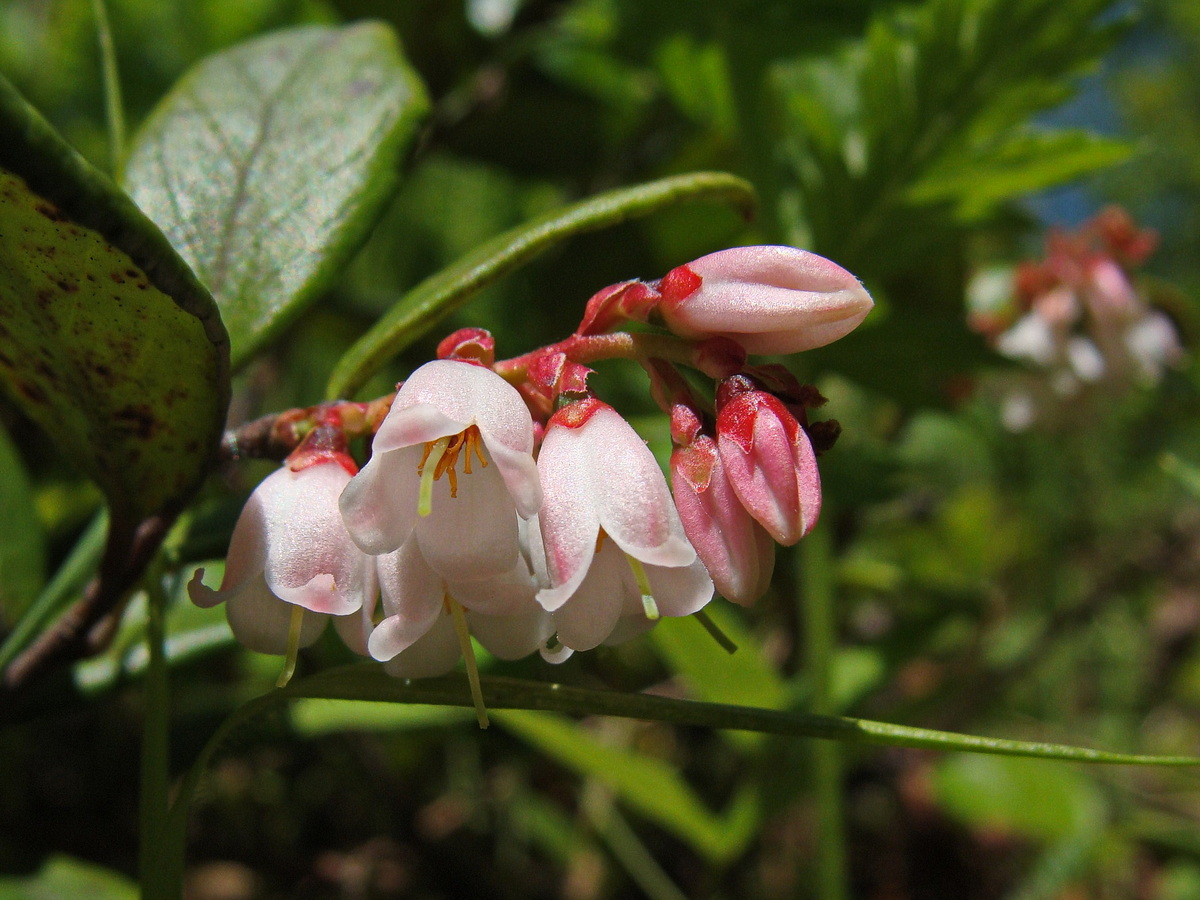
x: 643, y: 583
x: 440, y: 458
x: 428, y: 471
x: 476, y: 444
x: 468, y: 652
x: 293, y: 647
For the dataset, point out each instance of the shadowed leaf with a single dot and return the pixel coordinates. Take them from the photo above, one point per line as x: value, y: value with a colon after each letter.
x: 107, y: 341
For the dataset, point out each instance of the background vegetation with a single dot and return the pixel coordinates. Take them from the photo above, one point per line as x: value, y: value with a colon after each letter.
x: 1037, y: 585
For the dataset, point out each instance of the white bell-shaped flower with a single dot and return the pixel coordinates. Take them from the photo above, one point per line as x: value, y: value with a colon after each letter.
x: 615, y: 551
x: 289, y: 551
x: 452, y: 465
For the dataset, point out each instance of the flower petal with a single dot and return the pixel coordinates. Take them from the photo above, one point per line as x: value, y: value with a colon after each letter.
x: 680, y: 590
x: 435, y: 653
x: 379, y: 505
x: 311, y: 560
x: 412, y: 595
x: 261, y: 621
x: 512, y: 636
x: 504, y: 595
x: 463, y: 393
x: 594, y: 608
x: 473, y: 535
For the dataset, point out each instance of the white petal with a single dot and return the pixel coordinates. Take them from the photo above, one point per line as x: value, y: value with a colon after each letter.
x: 379, y: 505
x: 354, y: 630
x: 248, y: 543
x: 473, y: 535
x: 414, y: 426
x: 1085, y: 358
x: 680, y: 591
x: 504, y: 595
x: 519, y: 472
x: 311, y: 560
x: 629, y: 491
x: 589, y: 617
x: 412, y: 595
x: 512, y: 636
x: 569, y: 521
x: 469, y: 395
x: 436, y: 653
x: 1030, y: 338
x: 260, y: 620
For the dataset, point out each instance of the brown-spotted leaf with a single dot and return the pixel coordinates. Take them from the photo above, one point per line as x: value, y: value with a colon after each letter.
x: 107, y: 340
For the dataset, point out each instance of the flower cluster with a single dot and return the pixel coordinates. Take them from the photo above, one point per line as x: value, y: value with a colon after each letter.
x: 504, y: 501
x: 1076, y: 314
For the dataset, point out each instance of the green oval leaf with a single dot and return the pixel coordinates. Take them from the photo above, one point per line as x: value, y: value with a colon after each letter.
x: 22, y: 540
x: 107, y: 340
x: 442, y: 293
x: 268, y: 164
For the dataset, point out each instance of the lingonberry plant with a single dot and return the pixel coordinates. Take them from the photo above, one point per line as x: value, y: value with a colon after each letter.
x: 273, y: 488
x: 504, y: 500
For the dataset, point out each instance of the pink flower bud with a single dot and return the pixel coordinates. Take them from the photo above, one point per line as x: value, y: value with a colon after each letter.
x: 768, y: 299
x: 768, y: 460
x: 736, y: 550
x: 470, y: 344
x: 617, y: 304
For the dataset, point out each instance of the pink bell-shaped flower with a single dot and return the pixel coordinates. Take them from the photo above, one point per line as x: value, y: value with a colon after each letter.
x: 768, y: 460
x: 768, y: 299
x: 451, y: 464
x: 613, y: 543
x: 290, y: 551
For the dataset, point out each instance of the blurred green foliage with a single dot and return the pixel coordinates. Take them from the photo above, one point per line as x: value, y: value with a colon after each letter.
x: 1040, y: 585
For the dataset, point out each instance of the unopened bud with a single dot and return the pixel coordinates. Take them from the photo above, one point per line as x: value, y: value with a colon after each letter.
x: 768, y: 299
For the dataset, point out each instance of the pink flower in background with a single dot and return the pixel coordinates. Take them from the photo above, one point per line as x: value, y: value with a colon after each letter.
x: 768, y: 460
x: 768, y: 299
x: 1077, y: 314
x: 290, y: 550
x: 451, y: 464
x: 607, y: 514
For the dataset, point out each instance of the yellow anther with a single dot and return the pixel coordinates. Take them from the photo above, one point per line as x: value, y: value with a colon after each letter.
x: 441, y: 458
